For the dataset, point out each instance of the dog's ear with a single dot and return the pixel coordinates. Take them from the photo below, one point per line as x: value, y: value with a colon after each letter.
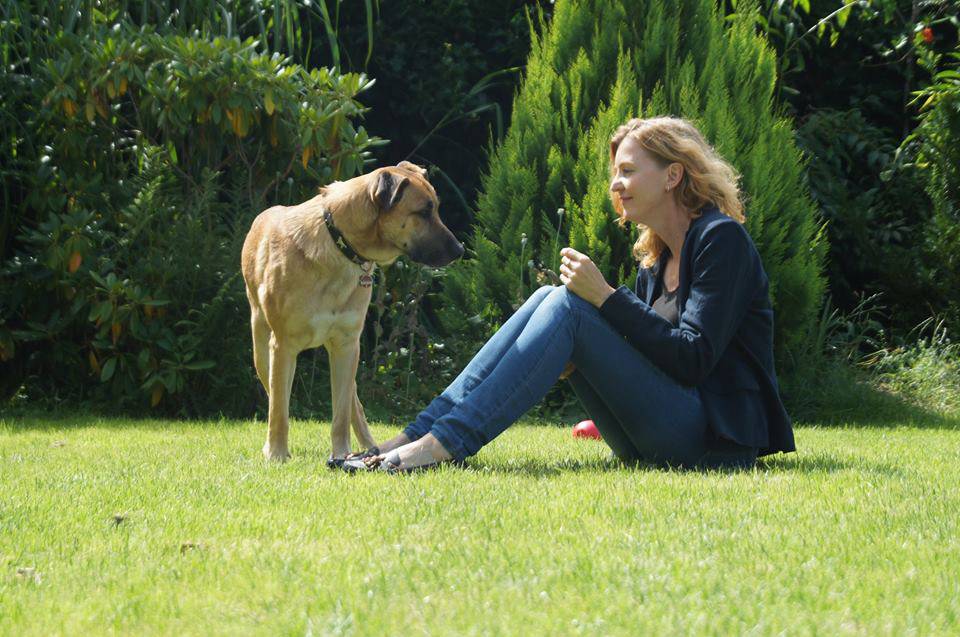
x: 413, y: 168
x: 389, y: 189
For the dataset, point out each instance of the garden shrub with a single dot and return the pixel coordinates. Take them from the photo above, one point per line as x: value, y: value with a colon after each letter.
x: 925, y: 373
x: 876, y: 212
x: 937, y: 143
x: 598, y: 63
x: 139, y: 160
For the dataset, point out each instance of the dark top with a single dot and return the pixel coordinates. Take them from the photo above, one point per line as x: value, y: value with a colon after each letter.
x: 723, y: 343
x: 666, y: 306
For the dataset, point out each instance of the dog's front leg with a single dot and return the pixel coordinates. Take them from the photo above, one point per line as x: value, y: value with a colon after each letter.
x: 360, y: 428
x: 343, y: 371
x: 283, y: 363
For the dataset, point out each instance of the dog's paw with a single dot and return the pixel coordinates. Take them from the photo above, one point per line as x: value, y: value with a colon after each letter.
x: 275, y: 454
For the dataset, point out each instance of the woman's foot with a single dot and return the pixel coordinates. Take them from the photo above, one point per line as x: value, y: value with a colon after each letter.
x: 382, y: 448
x: 421, y: 452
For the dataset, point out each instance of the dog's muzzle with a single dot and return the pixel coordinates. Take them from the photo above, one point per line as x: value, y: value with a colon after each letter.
x: 437, y: 253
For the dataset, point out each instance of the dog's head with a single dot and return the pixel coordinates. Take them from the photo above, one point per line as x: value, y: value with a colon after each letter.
x: 409, y: 217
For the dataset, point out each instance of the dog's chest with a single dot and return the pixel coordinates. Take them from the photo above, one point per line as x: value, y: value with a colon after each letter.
x: 336, y: 312
x: 341, y: 326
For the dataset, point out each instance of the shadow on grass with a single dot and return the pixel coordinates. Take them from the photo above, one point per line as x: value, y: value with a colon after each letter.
x: 822, y: 463
x: 779, y: 463
x: 50, y: 421
x: 881, y: 410
x: 837, y: 395
x: 303, y: 449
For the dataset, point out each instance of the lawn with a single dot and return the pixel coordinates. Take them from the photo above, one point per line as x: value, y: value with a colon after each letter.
x: 110, y: 526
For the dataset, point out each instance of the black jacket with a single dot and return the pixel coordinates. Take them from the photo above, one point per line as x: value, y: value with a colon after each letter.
x: 724, y: 342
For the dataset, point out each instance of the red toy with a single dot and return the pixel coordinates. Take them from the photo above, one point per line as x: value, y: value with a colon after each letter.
x: 586, y: 429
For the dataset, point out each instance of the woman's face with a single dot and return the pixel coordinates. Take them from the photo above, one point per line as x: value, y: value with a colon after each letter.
x: 642, y: 183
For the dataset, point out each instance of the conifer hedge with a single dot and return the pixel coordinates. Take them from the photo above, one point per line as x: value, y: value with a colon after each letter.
x: 598, y: 63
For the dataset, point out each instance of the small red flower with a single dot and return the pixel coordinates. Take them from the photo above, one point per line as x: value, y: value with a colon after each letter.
x: 927, y: 35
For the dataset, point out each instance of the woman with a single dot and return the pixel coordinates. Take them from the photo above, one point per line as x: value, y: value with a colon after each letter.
x: 678, y: 372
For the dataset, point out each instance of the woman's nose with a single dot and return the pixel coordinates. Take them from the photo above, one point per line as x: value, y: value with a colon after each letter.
x: 616, y: 186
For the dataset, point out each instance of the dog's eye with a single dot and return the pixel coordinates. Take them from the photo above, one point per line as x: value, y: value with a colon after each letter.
x: 425, y: 213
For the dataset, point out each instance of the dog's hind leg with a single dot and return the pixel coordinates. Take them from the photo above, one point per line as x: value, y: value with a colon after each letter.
x: 343, y: 370
x: 359, y: 420
x: 283, y: 363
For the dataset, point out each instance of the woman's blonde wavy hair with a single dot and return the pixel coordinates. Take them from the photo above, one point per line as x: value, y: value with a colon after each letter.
x: 707, y: 178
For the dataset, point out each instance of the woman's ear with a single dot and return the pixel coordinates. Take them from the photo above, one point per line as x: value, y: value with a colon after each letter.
x: 674, y: 175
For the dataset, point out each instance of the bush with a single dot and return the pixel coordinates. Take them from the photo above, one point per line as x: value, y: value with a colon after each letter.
x: 876, y: 210
x: 140, y: 159
x: 598, y: 63
x: 937, y: 140
x: 926, y: 373
x: 856, y: 371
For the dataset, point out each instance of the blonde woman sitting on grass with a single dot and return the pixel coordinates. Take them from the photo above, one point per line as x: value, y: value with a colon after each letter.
x: 678, y: 371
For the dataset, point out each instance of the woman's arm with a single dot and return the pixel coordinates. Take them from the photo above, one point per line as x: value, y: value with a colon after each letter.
x: 723, y: 284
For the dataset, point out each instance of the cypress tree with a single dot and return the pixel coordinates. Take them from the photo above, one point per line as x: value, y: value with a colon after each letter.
x: 598, y: 63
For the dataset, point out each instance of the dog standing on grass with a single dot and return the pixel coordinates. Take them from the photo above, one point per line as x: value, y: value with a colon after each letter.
x: 308, y: 273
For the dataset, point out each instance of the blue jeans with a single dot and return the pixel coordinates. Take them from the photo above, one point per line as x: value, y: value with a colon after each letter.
x: 643, y: 414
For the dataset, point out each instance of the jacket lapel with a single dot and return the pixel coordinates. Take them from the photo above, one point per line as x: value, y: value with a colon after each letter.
x: 686, y: 255
x: 652, y: 275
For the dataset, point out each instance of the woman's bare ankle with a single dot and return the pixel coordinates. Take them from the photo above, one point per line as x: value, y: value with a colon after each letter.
x: 423, y: 451
x: 393, y: 443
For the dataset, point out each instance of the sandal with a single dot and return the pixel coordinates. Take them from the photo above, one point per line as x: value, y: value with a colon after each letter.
x: 392, y: 464
x: 337, y: 463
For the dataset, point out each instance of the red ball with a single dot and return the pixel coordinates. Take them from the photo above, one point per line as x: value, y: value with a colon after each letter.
x: 586, y: 429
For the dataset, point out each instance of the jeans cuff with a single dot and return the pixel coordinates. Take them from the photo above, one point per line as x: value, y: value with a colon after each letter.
x: 450, y: 441
x: 412, y: 432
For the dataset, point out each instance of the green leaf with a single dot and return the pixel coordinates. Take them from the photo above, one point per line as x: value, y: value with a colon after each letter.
x: 198, y: 365
x: 106, y: 372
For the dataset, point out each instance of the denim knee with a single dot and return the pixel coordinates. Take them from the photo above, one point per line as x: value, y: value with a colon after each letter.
x: 541, y: 293
x: 565, y: 300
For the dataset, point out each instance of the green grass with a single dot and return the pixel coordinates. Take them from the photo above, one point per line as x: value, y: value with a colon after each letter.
x: 855, y: 534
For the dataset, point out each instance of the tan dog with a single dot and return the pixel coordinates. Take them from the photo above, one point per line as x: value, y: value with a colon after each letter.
x: 306, y: 289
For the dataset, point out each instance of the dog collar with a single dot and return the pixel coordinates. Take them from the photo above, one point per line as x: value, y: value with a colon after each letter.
x: 366, y: 280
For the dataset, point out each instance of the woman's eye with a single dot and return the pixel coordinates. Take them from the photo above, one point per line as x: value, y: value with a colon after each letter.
x: 626, y: 171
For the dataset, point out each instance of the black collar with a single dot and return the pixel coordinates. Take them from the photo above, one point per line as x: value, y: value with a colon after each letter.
x: 341, y: 242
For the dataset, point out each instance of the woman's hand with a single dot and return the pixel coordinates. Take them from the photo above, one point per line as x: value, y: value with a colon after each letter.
x: 583, y: 278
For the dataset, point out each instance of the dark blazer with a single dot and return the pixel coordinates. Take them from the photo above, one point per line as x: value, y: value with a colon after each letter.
x: 723, y: 344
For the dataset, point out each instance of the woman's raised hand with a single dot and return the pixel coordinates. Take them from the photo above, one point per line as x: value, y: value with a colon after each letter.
x: 583, y: 278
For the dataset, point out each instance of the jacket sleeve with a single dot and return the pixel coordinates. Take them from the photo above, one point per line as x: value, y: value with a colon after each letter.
x: 722, y: 287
